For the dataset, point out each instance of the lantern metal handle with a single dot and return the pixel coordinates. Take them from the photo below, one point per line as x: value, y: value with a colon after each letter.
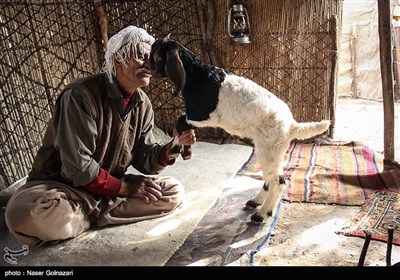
x: 248, y: 20
x: 229, y: 22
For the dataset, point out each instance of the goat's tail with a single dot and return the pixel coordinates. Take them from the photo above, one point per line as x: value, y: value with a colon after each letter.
x: 305, y: 130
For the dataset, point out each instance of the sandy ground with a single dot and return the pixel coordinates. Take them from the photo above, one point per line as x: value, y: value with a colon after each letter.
x: 362, y: 120
x: 305, y: 235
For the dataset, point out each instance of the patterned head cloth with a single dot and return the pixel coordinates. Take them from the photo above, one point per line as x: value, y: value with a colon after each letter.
x: 120, y: 46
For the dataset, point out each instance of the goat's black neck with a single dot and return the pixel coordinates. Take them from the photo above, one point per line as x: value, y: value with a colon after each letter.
x: 202, y: 86
x: 198, y: 70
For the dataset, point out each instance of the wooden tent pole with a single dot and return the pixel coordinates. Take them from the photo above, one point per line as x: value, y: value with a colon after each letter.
x: 103, y: 20
x: 333, y: 88
x: 207, y: 26
x: 385, y: 48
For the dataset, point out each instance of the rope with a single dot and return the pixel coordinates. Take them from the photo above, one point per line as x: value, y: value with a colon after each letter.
x: 266, y: 239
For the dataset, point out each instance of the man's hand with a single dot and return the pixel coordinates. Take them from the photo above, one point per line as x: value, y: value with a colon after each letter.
x: 187, y: 137
x: 139, y: 186
x: 174, y: 147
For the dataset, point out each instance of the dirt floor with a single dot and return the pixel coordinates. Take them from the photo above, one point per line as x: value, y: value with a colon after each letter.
x: 305, y: 233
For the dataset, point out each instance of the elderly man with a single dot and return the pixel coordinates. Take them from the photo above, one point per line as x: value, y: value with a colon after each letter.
x: 101, y: 125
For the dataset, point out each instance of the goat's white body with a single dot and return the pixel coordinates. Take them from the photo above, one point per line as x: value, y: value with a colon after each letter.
x: 248, y: 110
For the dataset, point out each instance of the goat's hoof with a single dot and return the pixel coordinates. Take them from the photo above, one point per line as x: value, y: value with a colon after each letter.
x: 256, y: 218
x: 186, y: 152
x: 186, y: 156
x: 251, y: 204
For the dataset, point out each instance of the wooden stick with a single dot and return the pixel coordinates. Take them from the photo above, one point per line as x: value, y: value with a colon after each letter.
x: 368, y: 236
x: 385, y: 48
x: 333, y: 83
x: 390, y: 231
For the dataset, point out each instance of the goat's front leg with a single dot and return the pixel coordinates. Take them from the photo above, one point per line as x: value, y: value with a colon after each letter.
x: 182, y: 126
x: 268, y: 197
x: 274, y: 184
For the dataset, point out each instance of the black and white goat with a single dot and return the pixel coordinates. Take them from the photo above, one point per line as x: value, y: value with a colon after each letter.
x: 214, y: 97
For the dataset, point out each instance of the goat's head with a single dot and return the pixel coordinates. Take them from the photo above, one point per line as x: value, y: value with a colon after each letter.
x: 165, y: 61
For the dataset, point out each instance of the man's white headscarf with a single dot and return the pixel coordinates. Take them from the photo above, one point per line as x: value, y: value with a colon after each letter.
x: 120, y: 45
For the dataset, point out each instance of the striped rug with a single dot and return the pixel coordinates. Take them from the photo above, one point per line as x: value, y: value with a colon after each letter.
x: 345, y: 174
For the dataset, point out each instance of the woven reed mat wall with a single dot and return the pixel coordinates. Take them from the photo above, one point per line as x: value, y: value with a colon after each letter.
x: 45, y: 44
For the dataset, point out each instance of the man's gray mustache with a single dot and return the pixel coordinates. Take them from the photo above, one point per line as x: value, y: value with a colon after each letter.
x: 143, y: 70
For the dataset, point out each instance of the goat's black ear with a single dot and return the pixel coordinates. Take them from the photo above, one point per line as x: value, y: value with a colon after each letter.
x: 175, y: 70
x: 166, y: 38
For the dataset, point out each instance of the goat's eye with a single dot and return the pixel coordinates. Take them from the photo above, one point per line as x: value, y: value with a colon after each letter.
x: 159, y: 59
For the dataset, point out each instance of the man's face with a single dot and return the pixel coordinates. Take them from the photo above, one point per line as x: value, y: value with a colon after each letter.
x: 135, y: 72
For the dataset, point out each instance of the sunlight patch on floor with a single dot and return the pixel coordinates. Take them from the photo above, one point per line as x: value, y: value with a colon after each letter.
x: 164, y: 228
x: 323, y: 235
x: 87, y: 235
